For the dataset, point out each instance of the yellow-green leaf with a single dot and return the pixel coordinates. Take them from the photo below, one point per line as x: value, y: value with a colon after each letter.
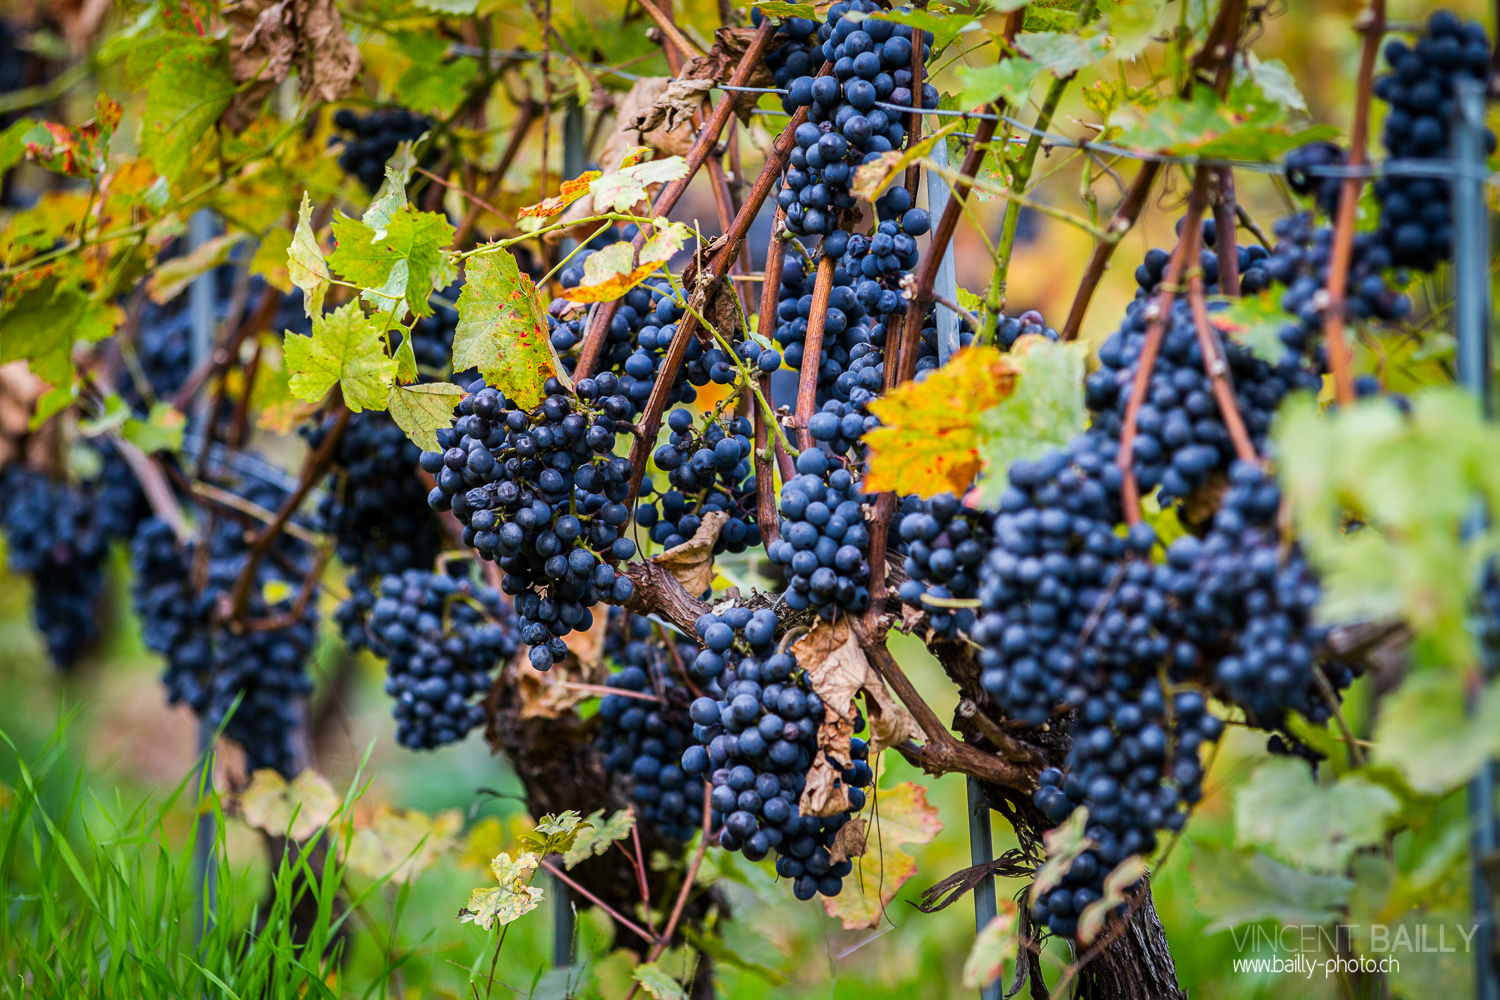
x: 994, y: 947
x: 1045, y: 411
x: 296, y: 810
x: 1065, y: 842
x: 160, y: 431
x: 1285, y: 810
x: 600, y: 834
x: 171, y: 277
x: 502, y: 329
x: 928, y: 443
x: 421, y: 410
x: 1256, y: 321
x: 512, y: 898
x: 305, y: 265
x: 894, y: 816
x: 657, y: 982
x: 402, y: 844
x: 347, y: 348
x: 607, y: 274
x: 1125, y: 875
x: 186, y: 94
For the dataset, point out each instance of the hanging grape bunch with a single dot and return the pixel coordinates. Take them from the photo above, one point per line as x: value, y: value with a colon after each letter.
x: 1416, y: 226
x: 539, y: 493
x: 795, y: 55
x: 755, y: 732
x: 872, y: 62
x: 644, y: 728
x: 710, y: 470
x: 944, y: 544
x: 373, y: 139
x: 441, y: 637
x: 209, y: 664
x: 824, y: 544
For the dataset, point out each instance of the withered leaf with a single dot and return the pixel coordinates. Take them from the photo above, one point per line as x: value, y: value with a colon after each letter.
x: 675, y: 107
x: 718, y: 65
x: 849, y: 842
x: 692, y: 562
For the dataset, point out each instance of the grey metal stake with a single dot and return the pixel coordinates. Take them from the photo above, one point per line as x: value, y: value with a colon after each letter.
x: 562, y: 925
x: 1471, y: 313
x: 946, y: 282
x: 981, y: 851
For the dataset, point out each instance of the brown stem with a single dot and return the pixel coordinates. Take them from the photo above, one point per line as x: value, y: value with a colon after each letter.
x: 769, y: 177
x: 880, y: 528
x: 903, y: 365
x: 1225, y: 245
x: 914, y: 118
x: 687, y: 887
x: 812, y: 351
x: 620, y: 919
x: 765, y: 493
x: 1248, y: 221
x: 670, y: 30
x: 1218, y: 371
x: 1343, y: 231
x: 239, y: 422
x: 317, y: 464
x: 218, y: 361
x: 593, y: 341
x: 304, y: 594
x: 1161, y: 318
x: 154, y: 485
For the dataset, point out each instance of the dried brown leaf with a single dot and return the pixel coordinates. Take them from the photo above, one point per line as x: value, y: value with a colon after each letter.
x: 331, y: 63
x: 545, y: 694
x: 719, y: 64
x: 675, y: 107
x: 692, y: 562
x: 838, y: 670
x: 262, y: 50
x: 849, y: 842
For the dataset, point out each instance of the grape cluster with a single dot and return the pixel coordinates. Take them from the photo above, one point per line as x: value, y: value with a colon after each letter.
x: 944, y: 543
x: 872, y: 62
x: 794, y: 57
x: 54, y: 535
x: 644, y: 739
x: 210, y: 665
x: 755, y: 732
x: 1300, y: 262
x: 540, y: 493
x: 1251, y: 259
x: 716, y: 465
x: 1415, y: 221
x: 441, y: 636
x: 373, y: 139
x: 824, y: 543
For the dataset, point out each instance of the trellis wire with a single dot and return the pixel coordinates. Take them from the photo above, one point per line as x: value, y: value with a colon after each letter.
x: 1471, y: 313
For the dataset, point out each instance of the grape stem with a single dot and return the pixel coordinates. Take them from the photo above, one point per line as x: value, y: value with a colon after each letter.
x: 812, y: 350
x: 1160, y: 313
x: 1217, y: 368
x: 765, y: 418
x: 708, y: 137
x: 1373, y: 26
x: 1218, y: 50
x: 619, y: 918
x: 1225, y: 244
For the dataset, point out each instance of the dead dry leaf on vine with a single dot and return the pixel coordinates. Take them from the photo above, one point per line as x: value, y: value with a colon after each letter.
x: 296, y: 810
x: 838, y: 669
x: 692, y: 562
x: 676, y: 106
x: 545, y: 694
x: 719, y: 63
x: 928, y: 442
x: 402, y: 844
x: 897, y: 815
x: 267, y: 40
x: 849, y: 842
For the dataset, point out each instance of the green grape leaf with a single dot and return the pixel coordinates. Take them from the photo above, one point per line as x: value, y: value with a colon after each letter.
x: 1236, y: 888
x: 1425, y: 733
x: 13, y: 143
x: 462, y: 7
x: 944, y: 29
x: 1008, y: 80
x: 1045, y: 411
x: 405, y: 266
x: 422, y: 410
x: 1284, y: 810
x: 160, y: 431
x: 430, y: 84
x: 1256, y: 321
x: 345, y: 347
x: 1134, y: 26
x: 502, y: 329
x: 1249, y: 127
x: 598, y: 834
x: 1062, y: 52
x: 305, y: 265
x: 391, y: 197
x: 40, y: 324
x: 406, y: 360
x: 1276, y: 82
x: 657, y: 982
x: 186, y: 94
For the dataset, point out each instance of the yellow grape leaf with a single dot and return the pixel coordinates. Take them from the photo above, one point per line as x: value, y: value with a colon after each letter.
x: 599, y: 835
x: 402, y: 844
x: 420, y: 410
x: 994, y: 946
x: 502, y: 329
x: 347, y: 348
x: 1064, y: 844
x: 664, y: 243
x: 512, y: 898
x: 870, y: 179
x: 569, y: 192
x: 608, y: 275
x: 897, y: 815
x: 270, y: 260
x: 928, y: 443
x: 1125, y: 874
x: 296, y: 810
x: 305, y: 265
x: 171, y: 278
x: 624, y: 189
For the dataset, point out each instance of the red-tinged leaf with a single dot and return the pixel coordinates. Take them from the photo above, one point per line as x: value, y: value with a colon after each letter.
x: 570, y: 192
x: 77, y: 151
x: 929, y: 442
x: 1065, y: 843
x: 896, y: 816
x: 502, y: 329
x: 997, y: 944
x: 1126, y: 874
